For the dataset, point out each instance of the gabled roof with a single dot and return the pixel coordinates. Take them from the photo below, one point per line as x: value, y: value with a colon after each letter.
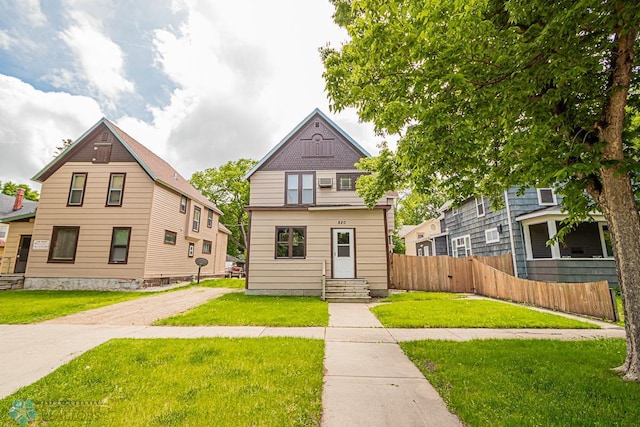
x: 7, y: 214
x: 296, y: 129
x: 224, y: 229
x: 158, y: 170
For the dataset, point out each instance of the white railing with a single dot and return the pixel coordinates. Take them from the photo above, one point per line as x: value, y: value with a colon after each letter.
x: 324, y: 279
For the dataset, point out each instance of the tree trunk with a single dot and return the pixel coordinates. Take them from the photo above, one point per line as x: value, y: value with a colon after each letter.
x: 617, y: 201
x: 624, y: 225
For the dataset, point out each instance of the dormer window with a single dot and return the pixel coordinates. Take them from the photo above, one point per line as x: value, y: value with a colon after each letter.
x: 300, y: 188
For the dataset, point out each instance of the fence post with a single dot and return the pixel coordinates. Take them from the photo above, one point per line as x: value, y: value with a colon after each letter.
x: 614, y: 304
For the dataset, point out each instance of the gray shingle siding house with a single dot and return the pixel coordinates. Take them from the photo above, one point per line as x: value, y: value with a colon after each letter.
x: 522, y: 228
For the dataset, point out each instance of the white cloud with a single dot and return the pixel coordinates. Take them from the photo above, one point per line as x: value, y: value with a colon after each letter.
x: 100, y: 60
x: 32, y: 13
x: 33, y: 124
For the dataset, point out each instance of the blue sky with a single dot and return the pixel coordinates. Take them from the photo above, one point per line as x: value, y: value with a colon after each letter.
x: 198, y: 82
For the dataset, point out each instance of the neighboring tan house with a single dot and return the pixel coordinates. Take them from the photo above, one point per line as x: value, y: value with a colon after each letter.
x: 305, y: 216
x: 113, y: 215
x: 16, y: 226
x: 523, y: 228
x: 417, y: 238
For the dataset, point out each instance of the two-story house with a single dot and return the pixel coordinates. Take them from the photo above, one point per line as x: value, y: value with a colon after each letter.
x: 418, y: 238
x: 305, y: 217
x: 523, y: 228
x: 112, y: 214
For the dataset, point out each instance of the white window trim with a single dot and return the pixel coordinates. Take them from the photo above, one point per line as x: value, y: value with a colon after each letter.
x: 454, y: 211
x: 603, y: 243
x: 454, y: 247
x: 484, y: 210
x: 553, y: 194
x: 486, y: 235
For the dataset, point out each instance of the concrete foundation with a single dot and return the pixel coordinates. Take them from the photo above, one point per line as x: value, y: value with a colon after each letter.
x: 89, y: 284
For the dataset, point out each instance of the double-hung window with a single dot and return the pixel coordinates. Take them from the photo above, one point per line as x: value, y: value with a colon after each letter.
x: 290, y: 242
x: 196, y: 219
x: 491, y: 235
x: 480, y: 206
x: 120, y: 238
x: 209, y: 218
x: 461, y: 246
x: 206, y: 246
x: 64, y: 244
x: 300, y: 189
x: 3, y: 231
x: 183, y: 204
x: 76, y: 191
x: 116, y: 189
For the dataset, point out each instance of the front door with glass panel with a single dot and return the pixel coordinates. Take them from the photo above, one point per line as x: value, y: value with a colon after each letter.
x: 344, y: 253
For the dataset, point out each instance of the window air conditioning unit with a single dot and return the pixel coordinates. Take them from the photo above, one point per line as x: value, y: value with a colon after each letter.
x: 325, y: 182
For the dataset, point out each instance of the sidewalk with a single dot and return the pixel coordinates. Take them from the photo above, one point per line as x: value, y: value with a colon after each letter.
x: 369, y: 381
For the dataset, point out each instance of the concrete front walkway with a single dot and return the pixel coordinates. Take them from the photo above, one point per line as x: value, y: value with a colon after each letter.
x: 368, y: 379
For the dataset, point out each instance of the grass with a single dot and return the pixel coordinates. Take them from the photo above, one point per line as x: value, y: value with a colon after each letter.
x: 221, y: 283
x: 421, y: 296
x: 20, y: 307
x: 530, y: 382
x: 249, y: 310
x: 416, y: 310
x: 180, y: 382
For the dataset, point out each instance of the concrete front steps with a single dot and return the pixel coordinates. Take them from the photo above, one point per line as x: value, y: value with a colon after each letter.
x: 11, y: 281
x: 347, y: 290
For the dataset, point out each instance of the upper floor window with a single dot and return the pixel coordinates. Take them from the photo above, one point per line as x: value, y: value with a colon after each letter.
x: 76, y: 191
x: 120, y: 238
x: 480, y: 206
x: 196, y: 219
x: 347, y: 181
x: 64, y: 243
x: 300, y: 189
x: 209, y: 218
x: 183, y: 204
x: 3, y: 231
x: 546, y: 197
x: 116, y: 189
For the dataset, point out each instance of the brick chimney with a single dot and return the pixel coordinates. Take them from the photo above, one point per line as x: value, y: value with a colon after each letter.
x: 17, y: 205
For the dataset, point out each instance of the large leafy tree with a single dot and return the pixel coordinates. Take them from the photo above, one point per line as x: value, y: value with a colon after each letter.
x: 489, y: 94
x: 226, y: 187
x: 9, y: 188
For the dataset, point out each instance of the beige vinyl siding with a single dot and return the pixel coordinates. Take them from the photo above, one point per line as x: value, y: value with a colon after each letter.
x: 267, y: 272
x: 425, y: 229
x: 96, y: 221
x: 16, y: 229
x: 221, y: 252
x: 267, y: 189
x: 164, y: 260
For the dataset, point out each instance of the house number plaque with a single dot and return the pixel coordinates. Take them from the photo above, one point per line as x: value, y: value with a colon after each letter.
x: 342, y: 222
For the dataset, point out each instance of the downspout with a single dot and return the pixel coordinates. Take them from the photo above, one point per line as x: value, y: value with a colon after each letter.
x: 513, y: 245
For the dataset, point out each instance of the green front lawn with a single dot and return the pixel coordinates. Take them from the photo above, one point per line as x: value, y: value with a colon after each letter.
x: 530, y: 382
x: 180, y: 382
x: 19, y: 307
x: 243, y: 310
x: 420, y: 310
x: 221, y: 283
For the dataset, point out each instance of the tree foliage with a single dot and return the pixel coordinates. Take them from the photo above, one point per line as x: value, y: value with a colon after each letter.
x: 9, y: 188
x: 64, y: 144
x: 490, y: 94
x: 226, y: 187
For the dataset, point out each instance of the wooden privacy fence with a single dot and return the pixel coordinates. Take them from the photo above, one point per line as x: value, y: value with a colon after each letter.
x: 591, y: 298
x: 493, y: 277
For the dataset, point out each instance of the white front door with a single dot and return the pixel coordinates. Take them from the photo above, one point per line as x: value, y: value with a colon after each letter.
x: 344, y: 253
